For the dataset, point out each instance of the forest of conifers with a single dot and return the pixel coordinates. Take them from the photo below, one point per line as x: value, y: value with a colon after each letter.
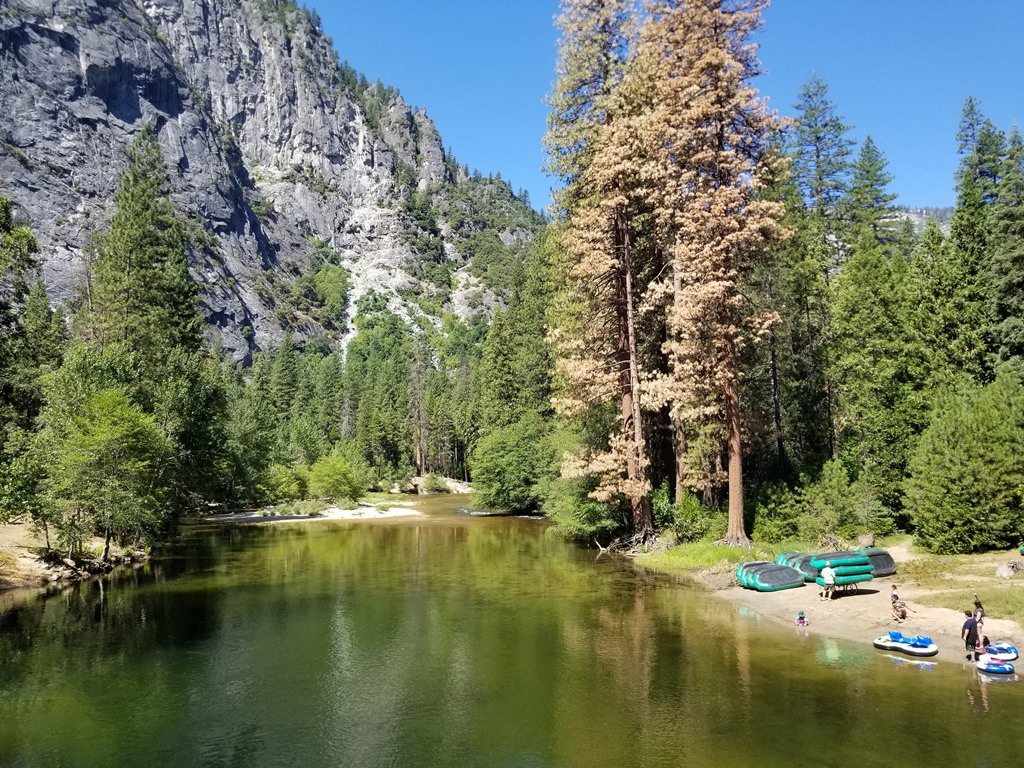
x: 727, y: 329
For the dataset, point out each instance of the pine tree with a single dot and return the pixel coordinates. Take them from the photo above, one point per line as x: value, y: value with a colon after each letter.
x: 870, y: 206
x: 1006, y: 225
x: 17, y: 262
x: 821, y: 152
x: 968, y: 468
x: 969, y: 251
x: 708, y: 131
x: 284, y: 379
x: 597, y: 335
x: 500, y: 401
x: 139, y: 290
x: 821, y: 159
x: 877, y: 413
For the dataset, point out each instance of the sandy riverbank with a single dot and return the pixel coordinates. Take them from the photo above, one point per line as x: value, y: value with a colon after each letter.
x: 362, y: 512
x: 864, y: 615
x: 21, y: 567
x: 19, y: 564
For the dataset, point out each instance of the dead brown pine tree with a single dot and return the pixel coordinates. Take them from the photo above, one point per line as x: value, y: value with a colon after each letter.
x: 596, y: 337
x: 707, y: 129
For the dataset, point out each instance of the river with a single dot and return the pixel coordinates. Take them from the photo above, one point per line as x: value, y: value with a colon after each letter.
x: 456, y: 640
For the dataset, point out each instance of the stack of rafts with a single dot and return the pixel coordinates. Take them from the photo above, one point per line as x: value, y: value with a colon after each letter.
x: 791, y: 569
x: 809, y: 565
x: 766, y: 576
x: 850, y: 567
x: 801, y: 561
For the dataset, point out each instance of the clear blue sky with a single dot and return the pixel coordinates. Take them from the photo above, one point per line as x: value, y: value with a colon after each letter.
x: 897, y: 71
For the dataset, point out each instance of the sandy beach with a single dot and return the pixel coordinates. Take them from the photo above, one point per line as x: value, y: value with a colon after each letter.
x: 362, y: 512
x: 865, y: 614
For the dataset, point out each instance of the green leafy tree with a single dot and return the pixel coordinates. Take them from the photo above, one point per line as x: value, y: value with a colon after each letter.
x: 332, y: 287
x: 332, y: 477
x: 510, y: 465
x: 282, y: 484
x: 104, y: 471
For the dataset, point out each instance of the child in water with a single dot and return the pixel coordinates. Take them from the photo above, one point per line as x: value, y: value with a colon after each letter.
x: 801, y: 620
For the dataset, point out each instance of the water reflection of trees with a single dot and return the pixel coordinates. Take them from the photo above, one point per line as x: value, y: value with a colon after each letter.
x: 436, y: 643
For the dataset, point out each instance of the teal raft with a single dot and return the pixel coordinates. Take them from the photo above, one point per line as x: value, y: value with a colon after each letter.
x: 765, y: 576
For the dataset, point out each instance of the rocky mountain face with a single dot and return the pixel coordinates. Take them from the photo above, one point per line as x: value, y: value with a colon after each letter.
x: 281, y: 159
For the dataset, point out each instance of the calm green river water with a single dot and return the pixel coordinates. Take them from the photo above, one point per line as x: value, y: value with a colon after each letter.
x: 456, y: 641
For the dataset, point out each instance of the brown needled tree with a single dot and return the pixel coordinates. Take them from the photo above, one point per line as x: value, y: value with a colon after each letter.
x: 596, y: 337
x: 707, y: 130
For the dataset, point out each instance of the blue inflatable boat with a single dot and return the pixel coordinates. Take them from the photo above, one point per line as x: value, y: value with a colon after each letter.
x: 1002, y: 651
x: 992, y: 666
x: 912, y: 646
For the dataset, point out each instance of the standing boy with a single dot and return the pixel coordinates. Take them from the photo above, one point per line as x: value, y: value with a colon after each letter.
x: 969, y: 633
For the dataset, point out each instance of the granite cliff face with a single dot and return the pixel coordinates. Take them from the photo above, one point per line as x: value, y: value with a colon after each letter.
x: 279, y: 155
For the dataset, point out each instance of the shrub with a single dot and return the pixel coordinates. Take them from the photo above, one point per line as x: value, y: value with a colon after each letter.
x: 282, y: 485
x: 831, y: 505
x: 508, y: 463
x: 577, y: 516
x: 688, y: 519
x: 434, y: 484
x: 332, y: 478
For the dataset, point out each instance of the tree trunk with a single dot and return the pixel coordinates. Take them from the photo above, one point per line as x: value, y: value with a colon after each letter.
x: 679, y: 448
x: 736, y: 535
x: 629, y: 379
x: 418, y: 449
x: 106, y: 545
x: 780, y: 446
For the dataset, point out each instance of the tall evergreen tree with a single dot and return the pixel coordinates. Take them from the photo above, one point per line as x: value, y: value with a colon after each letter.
x: 870, y: 205
x: 598, y: 340
x: 821, y: 153
x: 969, y: 241
x: 139, y: 291
x: 876, y: 408
x: 18, y: 250
x: 1006, y: 225
x: 708, y: 132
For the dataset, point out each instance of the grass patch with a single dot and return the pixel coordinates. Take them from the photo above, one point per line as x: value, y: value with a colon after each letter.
x: 7, y: 565
x: 701, y: 554
x: 932, y: 571
x: 380, y: 497
x: 1000, y: 602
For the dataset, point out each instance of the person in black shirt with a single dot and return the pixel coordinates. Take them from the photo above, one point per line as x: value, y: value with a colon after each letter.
x: 969, y: 633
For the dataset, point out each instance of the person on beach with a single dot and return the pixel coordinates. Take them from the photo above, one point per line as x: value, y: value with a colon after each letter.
x: 969, y: 633
x: 801, y: 620
x: 979, y: 614
x: 828, y: 578
x: 899, y: 609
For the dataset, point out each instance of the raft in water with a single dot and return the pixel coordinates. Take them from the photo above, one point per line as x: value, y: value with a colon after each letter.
x: 912, y: 646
